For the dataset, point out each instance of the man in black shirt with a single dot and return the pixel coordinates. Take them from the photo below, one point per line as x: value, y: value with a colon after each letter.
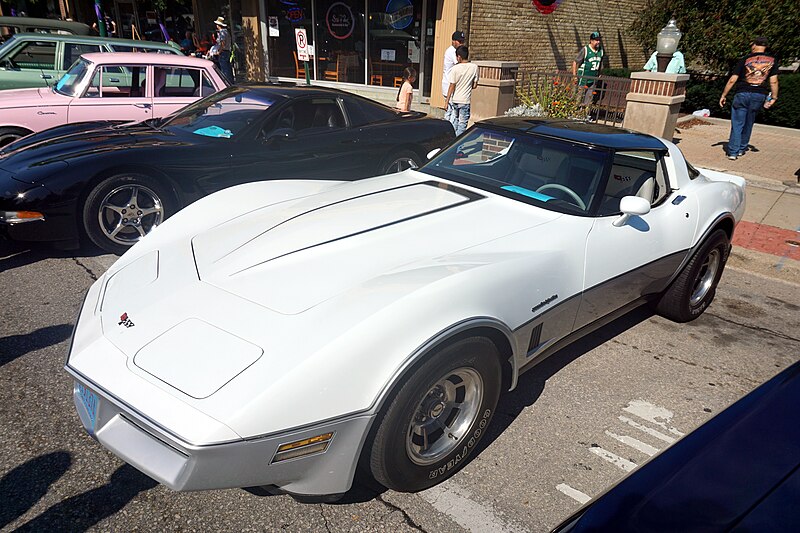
x: 754, y: 76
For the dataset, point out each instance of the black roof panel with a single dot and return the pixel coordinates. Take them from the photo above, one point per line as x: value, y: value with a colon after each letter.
x: 577, y: 131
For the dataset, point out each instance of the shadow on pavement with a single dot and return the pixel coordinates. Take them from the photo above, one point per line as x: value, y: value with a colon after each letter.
x: 14, y: 346
x: 16, y: 255
x: 83, y: 511
x: 531, y: 384
x: 25, y: 485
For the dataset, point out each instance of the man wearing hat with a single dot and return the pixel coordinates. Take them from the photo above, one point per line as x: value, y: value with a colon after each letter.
x: 449, y: 61
x: 223, y: 48
x: 754, y: 76
x: 588, y: 64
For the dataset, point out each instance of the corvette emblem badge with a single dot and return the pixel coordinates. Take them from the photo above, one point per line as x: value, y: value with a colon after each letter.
x: 125, y: 321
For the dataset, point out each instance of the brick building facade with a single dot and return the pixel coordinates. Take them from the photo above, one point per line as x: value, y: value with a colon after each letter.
x: 515, y: 30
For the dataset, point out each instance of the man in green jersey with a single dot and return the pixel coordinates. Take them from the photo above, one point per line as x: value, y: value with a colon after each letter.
x: 588, y: 64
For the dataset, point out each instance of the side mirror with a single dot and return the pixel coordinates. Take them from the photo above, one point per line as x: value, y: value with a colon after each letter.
x: 631, y: 205
x: 280, y: 133
x: 433, y: 153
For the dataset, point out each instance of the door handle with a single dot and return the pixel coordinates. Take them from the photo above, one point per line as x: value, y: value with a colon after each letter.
x: 143, y: 106
x: 47, y: 77
x: 114, y: 80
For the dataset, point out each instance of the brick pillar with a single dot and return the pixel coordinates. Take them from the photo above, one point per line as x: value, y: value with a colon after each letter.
x: 654, y: 101
x: 495, y: 92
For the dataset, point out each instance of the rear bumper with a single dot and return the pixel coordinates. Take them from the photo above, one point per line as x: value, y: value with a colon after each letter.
x: 245, y: 463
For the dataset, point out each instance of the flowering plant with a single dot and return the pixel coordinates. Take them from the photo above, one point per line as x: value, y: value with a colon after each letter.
x: 557, y: 96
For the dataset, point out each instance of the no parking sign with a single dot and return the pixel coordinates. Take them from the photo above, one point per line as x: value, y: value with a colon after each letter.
x: 302, y: 44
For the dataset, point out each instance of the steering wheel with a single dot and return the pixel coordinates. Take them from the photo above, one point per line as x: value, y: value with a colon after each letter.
x: 572, y: 194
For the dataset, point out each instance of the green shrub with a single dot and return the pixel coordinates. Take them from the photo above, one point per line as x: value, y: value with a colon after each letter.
x: 702, y: 93
x: 617, y: 72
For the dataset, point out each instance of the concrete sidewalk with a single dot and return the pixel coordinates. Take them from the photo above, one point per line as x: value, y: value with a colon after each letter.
x: 768, y: 240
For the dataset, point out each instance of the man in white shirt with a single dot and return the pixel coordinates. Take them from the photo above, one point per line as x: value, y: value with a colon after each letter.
x: 463, y: 79
x: 449, y: 62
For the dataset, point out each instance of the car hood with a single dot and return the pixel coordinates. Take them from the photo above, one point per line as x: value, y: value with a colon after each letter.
x: 36, y: 97
x: 72, y: 142
x: 259, y: 295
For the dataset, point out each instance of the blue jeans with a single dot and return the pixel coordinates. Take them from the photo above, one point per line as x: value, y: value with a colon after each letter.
x: 459, y: 116
x: 225, y: 65
x: 744, y: 109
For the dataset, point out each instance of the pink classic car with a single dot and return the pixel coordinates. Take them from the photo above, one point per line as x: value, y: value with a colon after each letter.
x: 110, y: 86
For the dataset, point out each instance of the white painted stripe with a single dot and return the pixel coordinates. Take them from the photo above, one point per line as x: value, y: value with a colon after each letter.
x: 649, y: 431
x: 575, y: 494
x: 458, y: 504
x: 613, y: 458
x: 653, y: 414
x: 634, y: 443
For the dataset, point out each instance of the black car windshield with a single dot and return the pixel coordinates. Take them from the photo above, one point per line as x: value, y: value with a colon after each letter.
x: 223, y: 115
x: 72, y: 82
x: 549, y: 173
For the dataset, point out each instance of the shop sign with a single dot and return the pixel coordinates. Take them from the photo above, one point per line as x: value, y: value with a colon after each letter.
x: 546, y: 7
x: 400, y: 13
x: 340, y: 20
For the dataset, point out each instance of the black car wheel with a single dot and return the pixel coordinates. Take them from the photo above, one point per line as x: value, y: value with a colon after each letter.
x: 435, y: 421
x: 9, y: 135
x: 695, y: 286
x: 124, y: 208
x: 400, y: 161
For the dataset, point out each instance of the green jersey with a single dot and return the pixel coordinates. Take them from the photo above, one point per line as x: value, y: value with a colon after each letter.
x: 588, y: 61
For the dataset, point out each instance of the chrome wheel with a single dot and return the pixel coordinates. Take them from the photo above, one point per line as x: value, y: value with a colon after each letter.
x: 400, y: 164
x: 444, y: 416
x: 705, y: 277
x: 129, y: 212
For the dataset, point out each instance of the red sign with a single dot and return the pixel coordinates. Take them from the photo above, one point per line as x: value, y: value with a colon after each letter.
x: 546, y: 7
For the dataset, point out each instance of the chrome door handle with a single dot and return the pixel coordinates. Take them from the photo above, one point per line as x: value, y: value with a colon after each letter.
x: 47, y: 77
x: 143, y: 106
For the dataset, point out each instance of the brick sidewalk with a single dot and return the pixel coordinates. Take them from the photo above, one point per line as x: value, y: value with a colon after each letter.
x: 768, y: 238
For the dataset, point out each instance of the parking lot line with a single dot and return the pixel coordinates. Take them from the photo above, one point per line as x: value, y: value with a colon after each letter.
x: 575, y: 494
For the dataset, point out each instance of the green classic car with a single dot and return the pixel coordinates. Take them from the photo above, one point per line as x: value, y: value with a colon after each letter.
x: 39, y: 60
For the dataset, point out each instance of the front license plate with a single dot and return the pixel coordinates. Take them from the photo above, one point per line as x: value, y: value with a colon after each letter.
x: 89, y: 400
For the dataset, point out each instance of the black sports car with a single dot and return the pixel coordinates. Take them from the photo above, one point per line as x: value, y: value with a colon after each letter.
x: 115, y: 182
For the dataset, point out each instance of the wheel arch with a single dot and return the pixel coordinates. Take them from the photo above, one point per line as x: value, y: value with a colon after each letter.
x: 499, y: 334
x: 108, y: 172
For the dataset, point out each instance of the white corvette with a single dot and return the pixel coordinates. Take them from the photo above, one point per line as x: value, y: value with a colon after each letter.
x: 285, y: 333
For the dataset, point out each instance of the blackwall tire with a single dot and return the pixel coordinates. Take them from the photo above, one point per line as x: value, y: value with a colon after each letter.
x: 694, y: 288
x: 435, y: 420
x: 400, y: 161
x: 9, y: 135
x: 122, y: 209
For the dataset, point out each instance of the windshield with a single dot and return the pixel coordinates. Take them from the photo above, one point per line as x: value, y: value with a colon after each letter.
x: 556, y: 175
x: 72, y: 82
x: 223, y: 115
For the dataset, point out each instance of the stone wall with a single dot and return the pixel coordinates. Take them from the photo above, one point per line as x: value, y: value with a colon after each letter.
x: 513, y: 30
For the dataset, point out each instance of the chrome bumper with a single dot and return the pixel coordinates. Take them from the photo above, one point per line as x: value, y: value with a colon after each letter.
x: 245, y: 463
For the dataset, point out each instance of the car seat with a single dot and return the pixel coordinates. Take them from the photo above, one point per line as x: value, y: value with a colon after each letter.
x: 159, y: 82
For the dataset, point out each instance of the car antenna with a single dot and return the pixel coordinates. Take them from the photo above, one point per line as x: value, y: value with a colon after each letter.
x: 45, y: 77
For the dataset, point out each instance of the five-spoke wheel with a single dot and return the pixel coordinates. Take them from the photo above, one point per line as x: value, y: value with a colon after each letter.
x: 121, y: 210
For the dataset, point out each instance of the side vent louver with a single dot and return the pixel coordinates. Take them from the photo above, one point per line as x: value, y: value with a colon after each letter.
x: 536, y: 336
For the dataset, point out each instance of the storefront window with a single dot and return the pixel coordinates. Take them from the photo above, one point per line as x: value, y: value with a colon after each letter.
x: 283, y: 17
x: 366, y: 42
x: 340, y: 40
x: 394, y: 40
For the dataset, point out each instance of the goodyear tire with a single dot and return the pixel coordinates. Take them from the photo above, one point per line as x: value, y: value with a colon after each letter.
x: 695, y: 287
x: 435, y: 420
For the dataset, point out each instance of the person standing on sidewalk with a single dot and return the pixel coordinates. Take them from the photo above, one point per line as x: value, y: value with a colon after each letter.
x: 754, y: 76
x: 463, y: 79
x: 224, y: 49
x: 450, y: 60
x: 587, y: 63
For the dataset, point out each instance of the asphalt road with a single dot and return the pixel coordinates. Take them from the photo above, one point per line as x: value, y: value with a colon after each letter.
x: 574, y: 426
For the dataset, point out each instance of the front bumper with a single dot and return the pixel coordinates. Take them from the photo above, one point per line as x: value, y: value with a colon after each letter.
x: 245, y: 463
